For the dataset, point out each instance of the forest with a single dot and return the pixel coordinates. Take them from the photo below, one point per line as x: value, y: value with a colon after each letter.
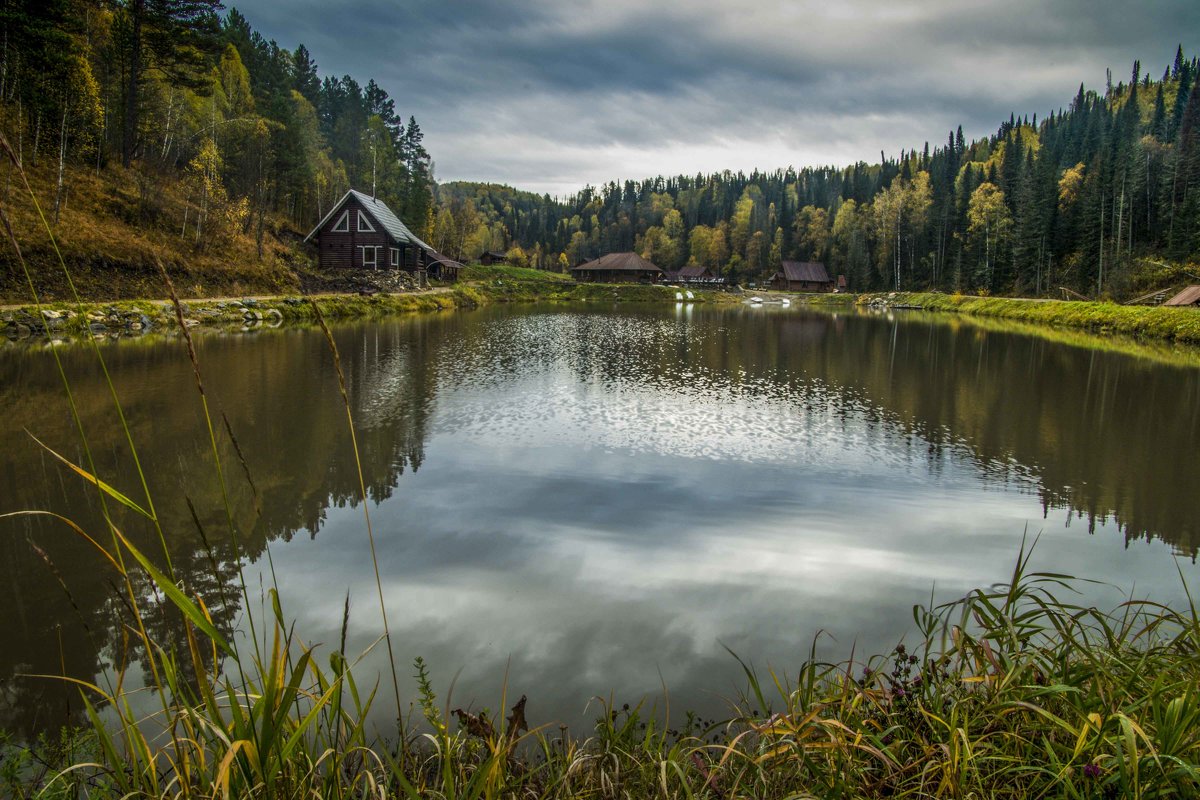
x: 1094, y: 197
x: 227, y: 136
x: 184, y: 95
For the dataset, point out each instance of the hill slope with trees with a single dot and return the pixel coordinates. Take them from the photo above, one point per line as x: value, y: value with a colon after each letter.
x: 169, y: 130
x: 162, y: 129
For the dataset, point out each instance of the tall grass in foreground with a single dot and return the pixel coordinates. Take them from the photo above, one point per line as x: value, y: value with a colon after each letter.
x: 1008, y: 692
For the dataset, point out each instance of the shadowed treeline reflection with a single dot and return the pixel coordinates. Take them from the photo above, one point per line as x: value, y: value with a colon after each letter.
x: 280, y: 395
x: 1103, y: 434
x: 552, y: 445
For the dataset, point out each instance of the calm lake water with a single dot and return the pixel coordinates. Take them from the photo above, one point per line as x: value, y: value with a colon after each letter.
x: 594, y: 502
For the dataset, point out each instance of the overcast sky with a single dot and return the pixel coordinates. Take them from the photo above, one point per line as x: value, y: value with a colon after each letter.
x: 550, y: 95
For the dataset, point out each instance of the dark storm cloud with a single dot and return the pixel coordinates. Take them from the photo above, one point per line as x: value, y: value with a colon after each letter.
x: 550, y: 95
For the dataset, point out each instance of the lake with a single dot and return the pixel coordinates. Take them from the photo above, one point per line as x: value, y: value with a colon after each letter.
x: 573, y: 503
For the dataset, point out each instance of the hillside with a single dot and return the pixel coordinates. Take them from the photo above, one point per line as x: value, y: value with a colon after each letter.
x: 170, y: 130
x: 116, y: 223
x: 183, y: 135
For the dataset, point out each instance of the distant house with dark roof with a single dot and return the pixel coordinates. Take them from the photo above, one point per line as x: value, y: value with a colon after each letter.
x: 618, y: 268
x: 694, y: 274
x: 490, y: 257
x: 686, y: 273
x: 361, y: 232
x: 697, y: 273
x: 1188, y: 297
x: 802, y: 276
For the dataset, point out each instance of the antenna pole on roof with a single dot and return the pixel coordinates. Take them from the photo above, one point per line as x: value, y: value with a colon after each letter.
x: 372, y: 165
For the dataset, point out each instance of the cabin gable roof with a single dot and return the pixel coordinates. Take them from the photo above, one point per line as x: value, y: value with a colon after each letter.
x: 808, y: 271
x: 618, y: 262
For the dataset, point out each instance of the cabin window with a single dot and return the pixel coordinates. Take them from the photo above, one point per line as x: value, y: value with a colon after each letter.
x: 395, y: 252
x: 364, y: 224
x: 343, y: 223
x: 370, y: 257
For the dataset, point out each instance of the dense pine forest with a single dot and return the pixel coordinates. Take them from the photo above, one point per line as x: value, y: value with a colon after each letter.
x: 223, y: 133
x: 1093, y: 197
x: 219, y: 139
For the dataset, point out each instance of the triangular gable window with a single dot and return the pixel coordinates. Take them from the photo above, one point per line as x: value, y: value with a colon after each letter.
x: 364, y: 224
x: 343, y: 223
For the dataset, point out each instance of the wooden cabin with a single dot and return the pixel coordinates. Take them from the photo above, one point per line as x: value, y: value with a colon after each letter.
x: 802, y: 276
x: 361, y: 232
x: 618, y: 268
x: 1188, y: 297
x: 490, y: 257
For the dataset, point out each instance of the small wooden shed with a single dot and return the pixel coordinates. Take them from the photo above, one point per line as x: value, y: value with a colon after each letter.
x: 490, y: 257
x: 443, y: 267
x: 618, y: 268
x: 802, y: 276
x: 361, y: 232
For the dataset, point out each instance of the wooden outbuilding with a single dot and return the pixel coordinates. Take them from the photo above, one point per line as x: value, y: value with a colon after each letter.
x: 694, y: 272
x: 361, y: 232
x: 490, y: 257
x: 695, y: 275
x: 1188, y: 297
x: 443, y: 267
x: 802, y: 276
x: 618, y: 268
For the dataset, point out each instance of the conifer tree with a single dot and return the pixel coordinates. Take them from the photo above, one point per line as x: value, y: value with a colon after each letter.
x: 176, y: 37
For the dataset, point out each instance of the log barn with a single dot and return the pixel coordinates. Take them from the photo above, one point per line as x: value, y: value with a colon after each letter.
x: 802, y: 276
x: 361, y: 232
x: 618, y: 268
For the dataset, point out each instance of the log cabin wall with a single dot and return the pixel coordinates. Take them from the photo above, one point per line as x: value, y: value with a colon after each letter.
x: 342, y: 250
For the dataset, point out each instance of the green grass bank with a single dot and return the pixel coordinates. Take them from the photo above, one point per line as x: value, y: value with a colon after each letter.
x: 480, y: 286
x: 1157, y: 322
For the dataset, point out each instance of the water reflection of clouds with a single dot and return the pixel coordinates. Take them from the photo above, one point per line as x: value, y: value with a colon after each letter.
x: 608, y: 498
x: 572, y: 614
x: 590, y: 559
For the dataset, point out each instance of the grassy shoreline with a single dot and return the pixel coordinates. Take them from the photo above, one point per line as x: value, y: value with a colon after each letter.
x: 490, y: 285
x: 1153, y: 322
x: 487, y: 285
